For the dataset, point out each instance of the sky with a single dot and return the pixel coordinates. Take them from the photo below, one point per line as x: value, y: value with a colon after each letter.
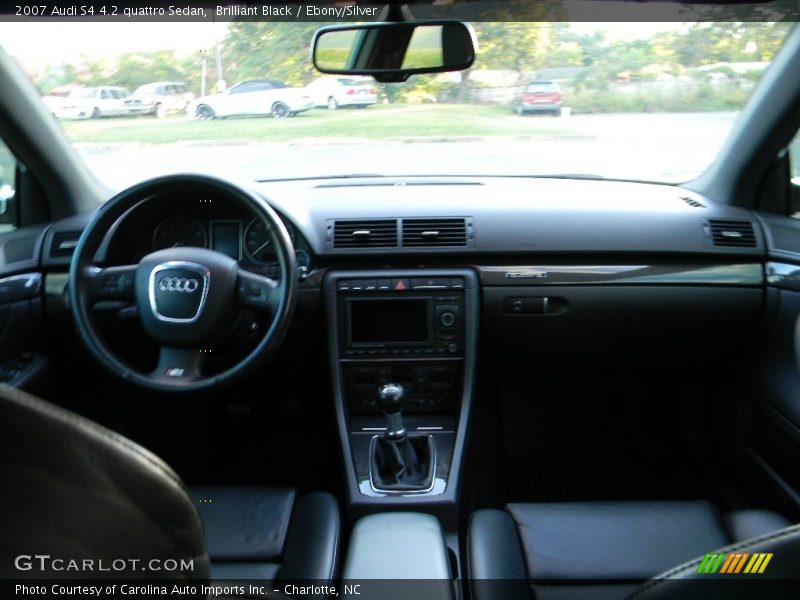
x: 66, y: 42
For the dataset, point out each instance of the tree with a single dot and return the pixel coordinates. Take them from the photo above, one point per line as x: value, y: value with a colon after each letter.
x: 258, y: 50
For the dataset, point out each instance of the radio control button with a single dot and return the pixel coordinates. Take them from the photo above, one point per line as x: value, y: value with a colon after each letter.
x: 452, y: 348
x: 383, y: 284
x: 457, y: 283
x: 447, y: 318
x: 430, y: 283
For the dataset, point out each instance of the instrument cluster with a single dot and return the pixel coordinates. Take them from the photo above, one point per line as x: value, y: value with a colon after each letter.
x: 236, y: 235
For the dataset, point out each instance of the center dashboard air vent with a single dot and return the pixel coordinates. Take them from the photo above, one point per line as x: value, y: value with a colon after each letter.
x: 731, y: 234
x: 435, y: 233
x: 369, y: 233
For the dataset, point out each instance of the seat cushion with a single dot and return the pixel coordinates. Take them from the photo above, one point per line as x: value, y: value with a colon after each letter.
x: 268, y: 534
x: 624, y: 541
x: 598, y: 549
x: 244, y: 523
x: 746, y: 524
x: 77, y: 491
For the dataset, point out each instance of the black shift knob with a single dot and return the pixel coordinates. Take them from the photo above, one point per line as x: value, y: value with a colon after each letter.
x: 391, y: 398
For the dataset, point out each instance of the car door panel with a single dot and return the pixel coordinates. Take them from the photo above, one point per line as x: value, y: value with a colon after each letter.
x: 235, y: 102
x: 23, y: 335
x: 770, y: 432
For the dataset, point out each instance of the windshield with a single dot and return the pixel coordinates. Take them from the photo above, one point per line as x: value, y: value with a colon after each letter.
x: 545, y: 87
x: 150, y: 89
x: 639, y: 101
x: 351, y: 81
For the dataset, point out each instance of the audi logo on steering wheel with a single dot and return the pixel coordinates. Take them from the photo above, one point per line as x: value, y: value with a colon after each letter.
x: 178, y: 284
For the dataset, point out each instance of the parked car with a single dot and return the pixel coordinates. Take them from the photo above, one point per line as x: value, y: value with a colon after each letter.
x: 335, y: 92
x: 160, y: 98
x: 538, y: 96
x: 94, y: 102
x: 257, y: 97
x: 53, y: 102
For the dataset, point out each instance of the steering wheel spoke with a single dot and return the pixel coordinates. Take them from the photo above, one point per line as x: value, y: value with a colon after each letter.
x: 258, y: 292
x: 111, y: 283
x: 179, y: 364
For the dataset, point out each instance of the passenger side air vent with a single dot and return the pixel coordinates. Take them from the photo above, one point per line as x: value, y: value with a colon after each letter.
x: 63, y: 243
x: 731, y: 234
x: 434, y: 233
x: 374, y: 233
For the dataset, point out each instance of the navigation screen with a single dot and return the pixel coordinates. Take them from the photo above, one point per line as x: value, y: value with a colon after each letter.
x: 389, y: 321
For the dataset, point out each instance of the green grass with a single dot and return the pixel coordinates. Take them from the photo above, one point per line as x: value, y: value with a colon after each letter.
x: 422, y: 58
x: 374, y: 122
x: 332, y: 58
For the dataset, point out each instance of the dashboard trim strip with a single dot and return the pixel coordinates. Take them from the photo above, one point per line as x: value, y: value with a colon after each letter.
x: 745, y: 274
x: 783, y: 276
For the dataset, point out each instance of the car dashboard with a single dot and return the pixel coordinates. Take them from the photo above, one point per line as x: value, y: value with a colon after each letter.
x: 424, y: 281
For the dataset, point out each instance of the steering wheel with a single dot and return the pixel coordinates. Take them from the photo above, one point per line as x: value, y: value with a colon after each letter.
x: 187, y: 298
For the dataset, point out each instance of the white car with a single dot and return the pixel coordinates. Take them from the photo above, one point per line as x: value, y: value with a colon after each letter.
x: 160, y: 98
x: 93, y: 102
x: 258, y: 97
x: 335, y: 92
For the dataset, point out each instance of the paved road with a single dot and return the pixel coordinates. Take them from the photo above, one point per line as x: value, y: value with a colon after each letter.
x: 661, y: 147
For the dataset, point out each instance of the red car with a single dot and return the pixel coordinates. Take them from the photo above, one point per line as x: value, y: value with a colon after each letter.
x: 539, y: 96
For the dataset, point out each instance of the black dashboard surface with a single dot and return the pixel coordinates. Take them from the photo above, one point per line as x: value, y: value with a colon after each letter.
x: 517, y: 215
x: 511, y: 220
x: 601, y: 257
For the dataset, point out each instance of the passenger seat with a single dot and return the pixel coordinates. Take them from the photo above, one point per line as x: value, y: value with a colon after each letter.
x: 605, y: 550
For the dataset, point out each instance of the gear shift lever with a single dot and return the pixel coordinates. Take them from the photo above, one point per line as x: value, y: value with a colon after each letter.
x: 400, y: 461
x: 391, y: 401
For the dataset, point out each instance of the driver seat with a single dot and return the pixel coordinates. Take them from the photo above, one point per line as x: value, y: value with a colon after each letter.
x: 73, y: 489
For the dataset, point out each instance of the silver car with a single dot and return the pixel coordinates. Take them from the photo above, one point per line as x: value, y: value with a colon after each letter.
x: 94, y: 102
x: 160, y: 98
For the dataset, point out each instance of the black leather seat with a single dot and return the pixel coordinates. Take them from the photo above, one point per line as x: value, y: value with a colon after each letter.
x: 269, y: 533
x: 608, y: 549
x: 75, y: 490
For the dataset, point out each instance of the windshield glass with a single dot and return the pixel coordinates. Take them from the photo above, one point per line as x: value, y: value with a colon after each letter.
x: 640, y: 101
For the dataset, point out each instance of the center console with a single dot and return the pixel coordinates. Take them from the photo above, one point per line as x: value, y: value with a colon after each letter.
x: 414, y: 330
x: 399, y: 555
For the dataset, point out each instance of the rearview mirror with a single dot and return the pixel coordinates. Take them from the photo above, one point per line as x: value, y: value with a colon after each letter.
x: 394, y: 51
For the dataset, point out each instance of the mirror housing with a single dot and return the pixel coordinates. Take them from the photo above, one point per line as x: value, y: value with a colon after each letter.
x: 392, y: 52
